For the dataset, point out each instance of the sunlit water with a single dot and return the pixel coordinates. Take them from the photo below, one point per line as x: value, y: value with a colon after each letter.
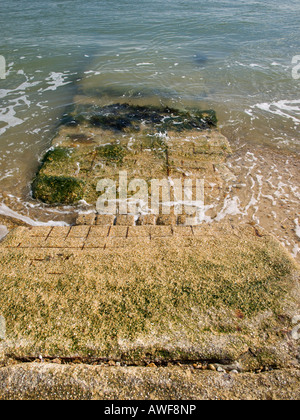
x: 234, y: 56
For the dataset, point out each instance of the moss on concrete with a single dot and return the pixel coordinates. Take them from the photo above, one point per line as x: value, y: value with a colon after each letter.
x: 227, y: 292
x: 57, y: 189
x: 149, y: 142
x: 112, y: 153
x: 57, y: 155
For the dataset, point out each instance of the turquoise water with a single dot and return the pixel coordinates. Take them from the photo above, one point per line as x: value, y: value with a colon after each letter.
x: 233, y: 56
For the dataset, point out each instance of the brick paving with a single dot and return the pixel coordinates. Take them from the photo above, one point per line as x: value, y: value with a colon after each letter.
x: 97, y: 237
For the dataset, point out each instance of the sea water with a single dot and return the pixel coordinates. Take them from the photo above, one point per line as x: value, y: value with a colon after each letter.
x: 238, y: 57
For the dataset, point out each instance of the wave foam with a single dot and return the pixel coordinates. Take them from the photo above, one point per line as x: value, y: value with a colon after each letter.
x: 6, y: 211
x: 56, y: 80
x: 285, y: 108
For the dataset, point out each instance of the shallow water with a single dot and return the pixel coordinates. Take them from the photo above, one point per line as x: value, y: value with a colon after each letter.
x: 233, y: 56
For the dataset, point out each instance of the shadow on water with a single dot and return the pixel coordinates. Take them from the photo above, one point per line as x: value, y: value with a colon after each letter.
x: 126, y: 91
x: 200, y: 59
x: 101, y: 96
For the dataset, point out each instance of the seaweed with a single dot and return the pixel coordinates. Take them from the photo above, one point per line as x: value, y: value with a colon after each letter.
x: 57, y: 189
x: 125, y: 117
x: 182, y: 121
x: 112, y: 122
x: 56, y: 155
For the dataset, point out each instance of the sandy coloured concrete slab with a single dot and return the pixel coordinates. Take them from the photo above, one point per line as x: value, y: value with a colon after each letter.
x: 46, y: 381
x: 209, y: 293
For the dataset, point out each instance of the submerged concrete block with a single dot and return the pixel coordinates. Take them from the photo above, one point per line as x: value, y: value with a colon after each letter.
x: 147, y: 142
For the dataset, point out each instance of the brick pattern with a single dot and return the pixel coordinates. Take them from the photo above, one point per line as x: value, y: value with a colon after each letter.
x: 101, y: 237
x: 130, y: 220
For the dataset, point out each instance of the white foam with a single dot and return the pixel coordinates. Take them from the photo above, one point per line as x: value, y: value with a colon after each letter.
x: 285, y: 108
x: 8, y: 116
x: 56, y: 80
x: 6, y: 211
x: 297, y: 229
x: 231, y: 207
x: 7, y: 111
x: 253, y: 65
x: 296, y: 251
x: 92, y: 72
x: 22, y: 87
x: 3, y: 231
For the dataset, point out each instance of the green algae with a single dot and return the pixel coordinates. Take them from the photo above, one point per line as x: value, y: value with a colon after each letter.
x: 56, y: 155
x: 135, y: 135
x: 206, y: 302
x: 112, y: 122
x: 125, y: 117
x: 112, y: 153
x: 57, y: 189
x: 182, y: 121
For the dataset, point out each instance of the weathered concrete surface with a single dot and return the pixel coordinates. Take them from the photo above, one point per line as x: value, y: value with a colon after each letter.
x: 82, y: 382
x: 10, y: 222
x: 149, y: 143
x: 149, y: 293
x: 107, y: 291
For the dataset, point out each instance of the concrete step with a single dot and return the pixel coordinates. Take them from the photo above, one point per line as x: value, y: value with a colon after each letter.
x: 148, y: 294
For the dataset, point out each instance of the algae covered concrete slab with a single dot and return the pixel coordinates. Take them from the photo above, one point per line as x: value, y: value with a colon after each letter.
x: 214, y: 293
x: 149, y: 143
x: 44, y: 381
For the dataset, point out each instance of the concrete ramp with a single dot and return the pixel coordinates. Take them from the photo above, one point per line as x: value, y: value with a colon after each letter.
x: 138, y: 295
